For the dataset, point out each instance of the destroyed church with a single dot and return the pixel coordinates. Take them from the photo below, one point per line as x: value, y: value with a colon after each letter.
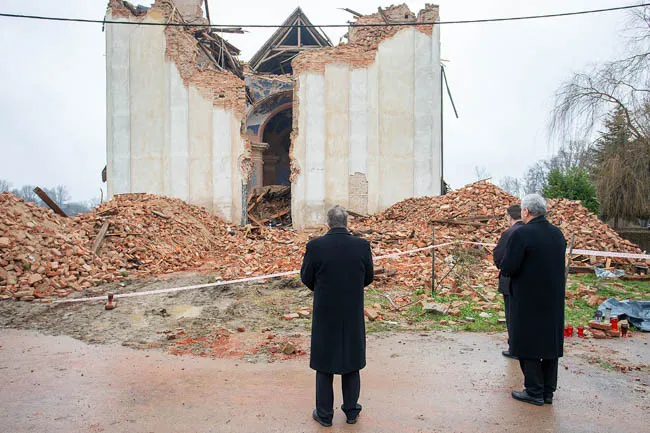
x: 357, y: 124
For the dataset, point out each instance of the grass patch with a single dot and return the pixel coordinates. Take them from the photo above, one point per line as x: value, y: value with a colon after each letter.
x: 579, y: 312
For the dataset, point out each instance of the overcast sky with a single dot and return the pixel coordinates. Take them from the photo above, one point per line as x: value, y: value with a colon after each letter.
x: 502, y: 75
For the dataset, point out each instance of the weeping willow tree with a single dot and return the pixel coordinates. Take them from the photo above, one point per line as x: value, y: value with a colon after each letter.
x: 621, y: 171
x: 614, y: 96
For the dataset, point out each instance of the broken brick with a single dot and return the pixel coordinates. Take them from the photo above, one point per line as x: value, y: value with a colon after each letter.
x: 598, y: 334
x: 371, y: 314
x: 601, y: 326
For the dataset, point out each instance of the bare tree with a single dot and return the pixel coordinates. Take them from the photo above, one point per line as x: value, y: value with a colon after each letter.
x: 60, y: 195
x: 535, y: 178
x: 481, y: 173
x: 574, y: 154
x: 615, y: 95
x: 511, y: 185
x: 583, y: 102
x: 4, y: 185
x: 27, y: 193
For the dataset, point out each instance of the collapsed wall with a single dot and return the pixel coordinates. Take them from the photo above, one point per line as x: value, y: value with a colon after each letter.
x: 174, y: 118
x: 366, y: 130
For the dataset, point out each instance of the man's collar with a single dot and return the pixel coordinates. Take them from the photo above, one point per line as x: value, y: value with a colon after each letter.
x: 338, y: 230
x: 538, y: 219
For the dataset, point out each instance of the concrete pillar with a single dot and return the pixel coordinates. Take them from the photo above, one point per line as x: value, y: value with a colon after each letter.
x: 258, y: 163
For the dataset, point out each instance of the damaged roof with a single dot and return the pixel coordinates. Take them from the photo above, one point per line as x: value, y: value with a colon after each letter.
x: 296, y: 34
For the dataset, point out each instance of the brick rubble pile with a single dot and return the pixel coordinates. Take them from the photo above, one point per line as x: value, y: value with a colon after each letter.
x: 43, y: 255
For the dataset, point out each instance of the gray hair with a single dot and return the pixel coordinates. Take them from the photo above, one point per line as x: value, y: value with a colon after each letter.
x: 535, y: 204
x: 337, y: 217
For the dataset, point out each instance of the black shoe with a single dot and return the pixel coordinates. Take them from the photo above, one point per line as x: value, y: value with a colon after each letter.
x: 320, y: 420
x: 507, y: 354
x: 523, y: 396
x: 548, y: 399
x: 352, y: 420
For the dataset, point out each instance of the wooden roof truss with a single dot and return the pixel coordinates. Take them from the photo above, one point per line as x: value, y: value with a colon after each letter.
x: 296, y: 35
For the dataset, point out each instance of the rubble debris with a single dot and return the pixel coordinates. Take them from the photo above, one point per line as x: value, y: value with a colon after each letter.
x: 152, y: 235
x: 288, y: 348
x: 371, y: 314
x: 432, y: 307
x: 270, y: 205
x: 363, y: 42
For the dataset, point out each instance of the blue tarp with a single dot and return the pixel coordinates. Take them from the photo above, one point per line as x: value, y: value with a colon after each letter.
x: 635, y: 312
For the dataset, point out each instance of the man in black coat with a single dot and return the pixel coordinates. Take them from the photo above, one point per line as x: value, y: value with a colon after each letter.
x: 513, y: 216
x: 337, y: 267
x: 534, y: 261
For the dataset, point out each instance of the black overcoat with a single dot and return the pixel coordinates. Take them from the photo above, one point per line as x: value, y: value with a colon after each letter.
x: 497, y: 254
x: 337, y: 267
x: 534, y: 261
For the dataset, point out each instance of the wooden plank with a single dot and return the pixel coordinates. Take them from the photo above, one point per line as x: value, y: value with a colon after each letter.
x: 457, y: 222
x: 100, y: 237
x: 48, y: 201
x: 356, y: 215
x: 255, y: 221
x: 480, y: 218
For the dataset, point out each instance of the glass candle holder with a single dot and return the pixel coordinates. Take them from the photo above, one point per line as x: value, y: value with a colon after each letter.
x: 614, y: 322
x: 581, y: 331
x: 568, y: 331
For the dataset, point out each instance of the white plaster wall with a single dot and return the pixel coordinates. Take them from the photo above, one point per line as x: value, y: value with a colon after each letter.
x: 337, y: 133
x: 178, y: 181
x: 314, y: 164
x: 163, y: 137
x: 358, y: 121
x: 118, y: 108
x: 147, y: 76
x: 396, y: 60
x: 382, y: 121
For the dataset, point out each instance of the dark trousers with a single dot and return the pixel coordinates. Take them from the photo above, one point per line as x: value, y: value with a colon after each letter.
x: 351, y: 385
x: 540, y: 376
x: 506, y: 309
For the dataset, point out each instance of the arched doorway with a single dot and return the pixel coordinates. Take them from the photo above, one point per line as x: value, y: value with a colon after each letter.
x: 276, y: 133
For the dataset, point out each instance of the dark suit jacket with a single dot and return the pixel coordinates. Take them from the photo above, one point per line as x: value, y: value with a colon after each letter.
x: 534, y: 261
x: 499, y: 251
x: 337, y: 267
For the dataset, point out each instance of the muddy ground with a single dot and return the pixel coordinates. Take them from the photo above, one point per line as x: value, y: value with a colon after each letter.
x: 202, y: 322
x: 414, y: 382
x: 208, y: 322
x: 187, y: 367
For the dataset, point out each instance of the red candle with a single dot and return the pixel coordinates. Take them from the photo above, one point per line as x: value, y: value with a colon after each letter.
x: 581, y: 331
x: 614, y: 322
x: 569, y: 330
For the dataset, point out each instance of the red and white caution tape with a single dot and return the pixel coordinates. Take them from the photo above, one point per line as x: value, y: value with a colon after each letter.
x: 610, y: 254
x: 289, y: 273
x: 237, y: 281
